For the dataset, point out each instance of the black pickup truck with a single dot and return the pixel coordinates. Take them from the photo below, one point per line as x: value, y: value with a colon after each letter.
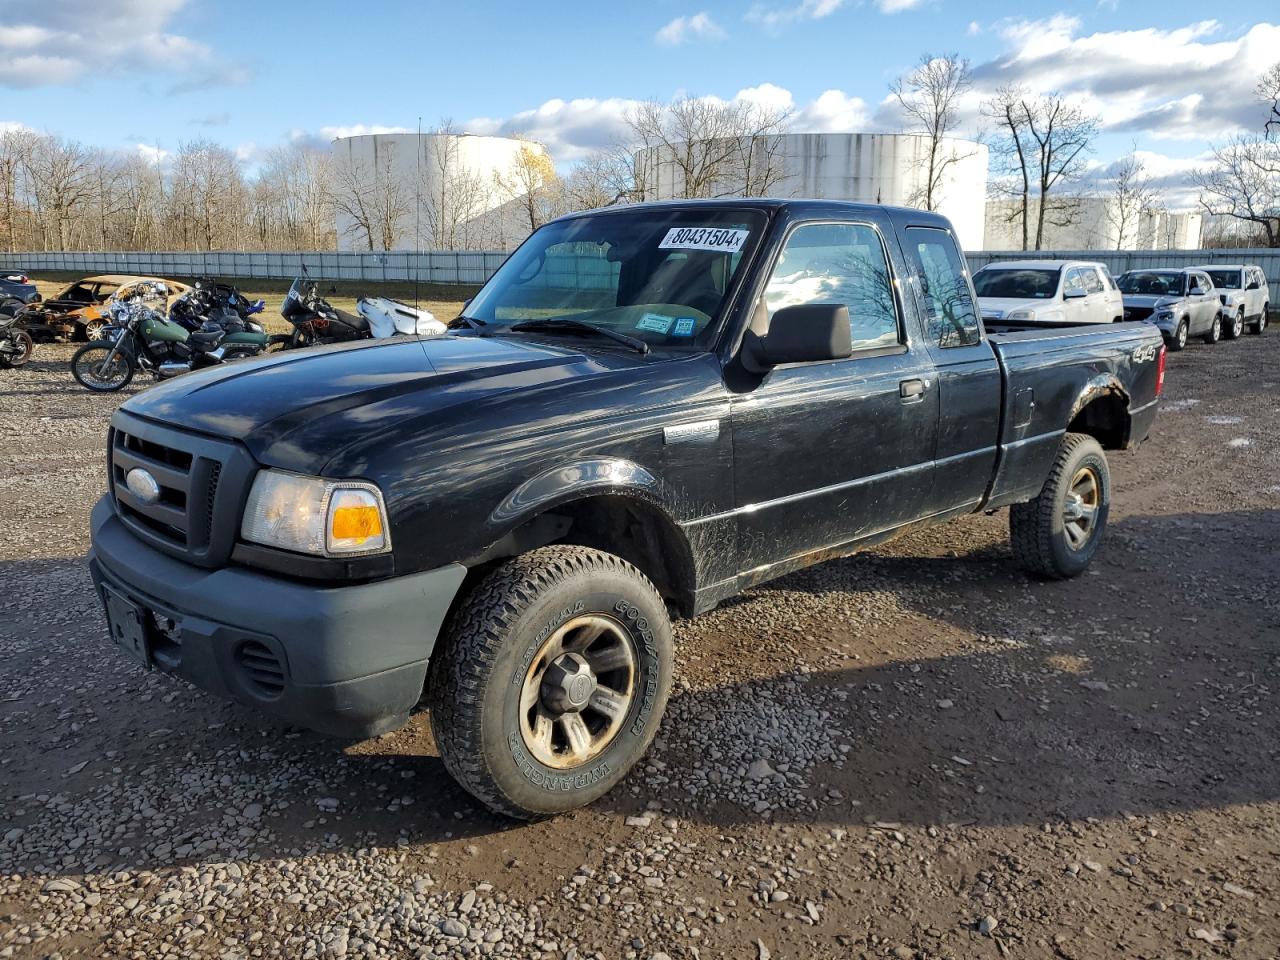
x: 646, y: 410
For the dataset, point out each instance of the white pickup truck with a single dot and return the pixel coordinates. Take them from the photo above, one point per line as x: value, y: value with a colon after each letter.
x: 1048, y: 292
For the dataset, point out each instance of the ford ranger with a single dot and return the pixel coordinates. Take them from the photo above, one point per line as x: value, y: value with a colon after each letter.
x: 646, y: 410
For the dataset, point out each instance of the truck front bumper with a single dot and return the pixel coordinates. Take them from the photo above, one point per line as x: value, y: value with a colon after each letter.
x: 348, y: 661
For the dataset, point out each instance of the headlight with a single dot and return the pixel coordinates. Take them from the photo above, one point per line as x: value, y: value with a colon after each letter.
x: 329, y: 518
x: 1164, y: 314
x: 1024, y: 316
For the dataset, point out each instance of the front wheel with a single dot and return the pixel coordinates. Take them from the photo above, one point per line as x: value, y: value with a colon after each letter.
x: 1179, y: 339
x: 550, y: 680
x: 1056, y: 534
x: 101, y: 367
x: 1215, y: 331
x: 24, y: 347
x: 1235, y: 326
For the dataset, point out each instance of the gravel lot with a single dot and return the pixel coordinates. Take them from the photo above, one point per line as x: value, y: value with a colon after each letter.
x: 917, y: 752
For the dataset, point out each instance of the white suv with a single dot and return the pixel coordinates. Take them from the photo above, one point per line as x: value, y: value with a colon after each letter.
x: 1243, y: 290
x: 1047, y: 292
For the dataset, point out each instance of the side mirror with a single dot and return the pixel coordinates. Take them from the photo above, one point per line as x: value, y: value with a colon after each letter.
x: 1253, y: 285
x: 1197, y: 291
x: 1074, y: 294
x: 806, y: 333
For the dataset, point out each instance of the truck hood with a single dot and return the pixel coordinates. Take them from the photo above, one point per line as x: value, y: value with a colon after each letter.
x: 297, y: 410
x: 1000, y: 307
x: 1149, y: 300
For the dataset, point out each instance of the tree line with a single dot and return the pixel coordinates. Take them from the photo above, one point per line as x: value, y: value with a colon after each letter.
x: 58, y: 194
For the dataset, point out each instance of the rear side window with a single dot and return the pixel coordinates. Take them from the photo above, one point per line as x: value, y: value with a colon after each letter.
x: 838, y: 263
x: 1091, y: 281
x: 950, y: 318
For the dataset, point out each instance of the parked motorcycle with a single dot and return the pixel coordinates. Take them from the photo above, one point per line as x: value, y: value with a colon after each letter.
x: 316, y: 321
x: 222, y: 303
x: 140, y: 337
x: 16, y: 345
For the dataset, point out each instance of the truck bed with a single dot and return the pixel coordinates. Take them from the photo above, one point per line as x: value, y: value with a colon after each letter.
x: 1051, y: 373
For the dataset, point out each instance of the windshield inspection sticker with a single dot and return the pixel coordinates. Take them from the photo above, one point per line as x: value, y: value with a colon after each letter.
x: 655, y: 323
x: 684, y: 327
x: 723, y: 240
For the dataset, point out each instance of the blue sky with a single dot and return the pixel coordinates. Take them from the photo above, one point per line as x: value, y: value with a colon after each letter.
x: 124, y: 73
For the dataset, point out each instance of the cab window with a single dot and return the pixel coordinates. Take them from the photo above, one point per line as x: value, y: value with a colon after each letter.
x: 839, y: 263
x: 1073, y: 283
x: 946, y: 299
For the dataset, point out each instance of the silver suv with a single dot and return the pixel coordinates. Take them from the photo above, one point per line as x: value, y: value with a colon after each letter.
x: 1181, y: 302
x: 1244, y: 294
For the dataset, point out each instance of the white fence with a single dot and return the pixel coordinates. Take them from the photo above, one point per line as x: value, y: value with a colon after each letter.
x: 474, y: 267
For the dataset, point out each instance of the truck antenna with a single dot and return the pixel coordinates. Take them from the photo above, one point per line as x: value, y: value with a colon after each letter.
x: 417, y: 220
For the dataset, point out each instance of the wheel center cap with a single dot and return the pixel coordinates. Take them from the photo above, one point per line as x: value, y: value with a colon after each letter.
x: 568, y: 683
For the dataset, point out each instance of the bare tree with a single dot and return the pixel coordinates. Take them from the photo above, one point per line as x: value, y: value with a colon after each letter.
x: 597, y: 181
x: 1132, y: 196
x: 1242, y: 182
x: 532, y: 184
x: 930, y: 98
x: 708, y: 148
x: 1042, y: 146
x: 1269, y: 94
x: 61, y: 174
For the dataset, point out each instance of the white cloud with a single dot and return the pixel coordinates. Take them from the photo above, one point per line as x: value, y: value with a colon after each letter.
x: 897, y: 6
x: 773, y: 17
x: 698, y: 26
x: 355, y: 130
x: 57, y: 43
x: 1187, y: 82
x: 152, y: 155
x: 975, y: 28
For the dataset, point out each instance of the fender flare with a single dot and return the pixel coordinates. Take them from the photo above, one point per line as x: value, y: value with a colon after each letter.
x: 575, y: 480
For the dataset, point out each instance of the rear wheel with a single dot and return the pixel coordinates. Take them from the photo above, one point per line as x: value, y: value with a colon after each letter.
x: 94, y: 367
x: 1234, y: 326
x: 1056, y: 534
x: 1261, y: 324
x: 1179, y: 338
x: 1215, y: 331
x: 550, y: 681
x: 25, y: 347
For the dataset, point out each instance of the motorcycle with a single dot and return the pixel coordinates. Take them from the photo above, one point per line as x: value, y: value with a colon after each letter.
x: 16, y: 345
x: 141, y: 337
x: 221, y: 303
x: 316, y: 321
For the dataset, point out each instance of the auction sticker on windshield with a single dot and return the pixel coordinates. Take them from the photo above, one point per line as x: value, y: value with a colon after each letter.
x: 654, y: 323
x: 720, y: 239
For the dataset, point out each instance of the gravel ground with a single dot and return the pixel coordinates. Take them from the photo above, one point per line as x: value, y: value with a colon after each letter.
x: 918, y: 752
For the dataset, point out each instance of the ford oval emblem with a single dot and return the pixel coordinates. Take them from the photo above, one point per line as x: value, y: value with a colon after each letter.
x: 142, y: 485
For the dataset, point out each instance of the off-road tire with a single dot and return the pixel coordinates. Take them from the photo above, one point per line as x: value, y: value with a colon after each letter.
x: 1233, y: 329
x: 486, y: 649
x: 1036, y: 528
x: 1179, y: 339
x: 1215, y: 331
x: 77, y: 372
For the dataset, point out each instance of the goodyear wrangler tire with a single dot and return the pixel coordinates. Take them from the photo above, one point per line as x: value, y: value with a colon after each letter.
x: 1056, y: 534
x: 550, y: 680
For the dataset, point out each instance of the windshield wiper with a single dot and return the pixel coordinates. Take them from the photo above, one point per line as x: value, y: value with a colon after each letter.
x: 570, y: 325
x: 471, y: 323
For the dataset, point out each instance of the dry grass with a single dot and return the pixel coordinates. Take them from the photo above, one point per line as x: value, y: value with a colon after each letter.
x: 443, y: 300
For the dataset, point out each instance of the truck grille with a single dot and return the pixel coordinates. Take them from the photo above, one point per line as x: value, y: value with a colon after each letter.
x: 202, y: 484
x: 1137, y: 313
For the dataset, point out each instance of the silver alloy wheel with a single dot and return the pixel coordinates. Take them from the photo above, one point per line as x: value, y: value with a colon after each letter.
x: 1080, y: 511
x: 93, y: 329
x: 102, y: 375
x: 1215, y: 331
x: 1182, y: 335
x: 577, y: 691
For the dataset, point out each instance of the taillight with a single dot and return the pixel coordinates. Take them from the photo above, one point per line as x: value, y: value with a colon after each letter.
x: 1160, y: 369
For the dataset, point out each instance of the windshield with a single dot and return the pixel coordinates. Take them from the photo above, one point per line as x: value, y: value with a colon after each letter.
x: 1225, y: 279
x: 660, y: 276
x: 1155, y: 283
x: 1020, y: 284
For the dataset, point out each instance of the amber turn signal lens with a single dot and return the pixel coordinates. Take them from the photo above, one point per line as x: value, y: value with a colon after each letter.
x: 356, y: 523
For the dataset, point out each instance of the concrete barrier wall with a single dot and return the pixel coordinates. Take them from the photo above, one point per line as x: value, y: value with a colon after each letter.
x: 473, y: 267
